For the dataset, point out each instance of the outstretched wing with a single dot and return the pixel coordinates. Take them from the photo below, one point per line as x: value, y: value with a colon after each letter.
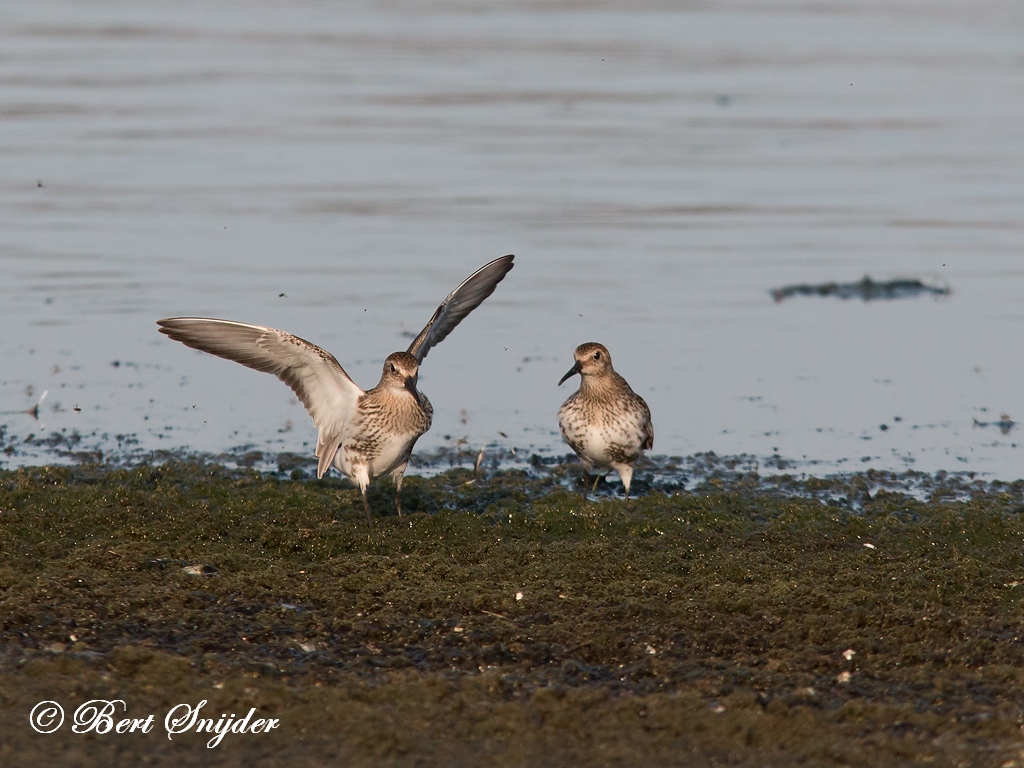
x: 314, y: 375
x: 459, y: 303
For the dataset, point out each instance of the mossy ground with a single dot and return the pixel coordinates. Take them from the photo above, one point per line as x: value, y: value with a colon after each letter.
x: 712, y: 627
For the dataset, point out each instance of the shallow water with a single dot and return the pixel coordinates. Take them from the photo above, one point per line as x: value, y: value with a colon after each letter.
x: 657, y: 170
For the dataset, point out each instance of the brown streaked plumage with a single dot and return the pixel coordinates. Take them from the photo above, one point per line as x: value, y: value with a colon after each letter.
x: 605, y: 422
x: 363, y: 434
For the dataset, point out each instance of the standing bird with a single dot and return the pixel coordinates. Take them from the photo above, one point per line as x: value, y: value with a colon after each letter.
x: 363, y: 434
x: 605, y: 422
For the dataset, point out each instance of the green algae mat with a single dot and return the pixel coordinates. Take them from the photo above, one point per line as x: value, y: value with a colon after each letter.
x: 189, y: 614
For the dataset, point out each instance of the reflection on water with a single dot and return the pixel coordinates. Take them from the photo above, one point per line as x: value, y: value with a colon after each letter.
x: 657, y: 170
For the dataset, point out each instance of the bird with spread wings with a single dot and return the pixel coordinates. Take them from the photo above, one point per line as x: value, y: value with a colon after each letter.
x: 364, y: 434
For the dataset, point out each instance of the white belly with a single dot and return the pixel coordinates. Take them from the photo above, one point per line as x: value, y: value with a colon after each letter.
x: 605, y: 446
x: 390, y: 454
x: 394, y: 453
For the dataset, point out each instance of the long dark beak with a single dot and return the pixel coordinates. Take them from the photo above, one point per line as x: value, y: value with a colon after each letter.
x: 572, y: 372
x: 410, y: 384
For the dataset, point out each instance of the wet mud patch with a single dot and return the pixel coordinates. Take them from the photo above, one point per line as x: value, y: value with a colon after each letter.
x: 745, y: 621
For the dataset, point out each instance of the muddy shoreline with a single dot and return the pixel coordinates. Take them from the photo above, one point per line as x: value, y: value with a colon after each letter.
x: 745, y: 620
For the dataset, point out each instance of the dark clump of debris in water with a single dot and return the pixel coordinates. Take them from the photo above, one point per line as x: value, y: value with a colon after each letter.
x: 1005, y: 423
x: 866, y: 289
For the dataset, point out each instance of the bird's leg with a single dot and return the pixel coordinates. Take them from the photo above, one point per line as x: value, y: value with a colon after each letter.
x: 597, y: 479
x: 586, y: 483
x: 366, y: 508
x: 626, y: 475
x: 397, y: 477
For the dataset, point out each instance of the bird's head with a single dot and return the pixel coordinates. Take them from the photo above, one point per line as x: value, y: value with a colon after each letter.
x: 401, y: 371
x: 592, y: 359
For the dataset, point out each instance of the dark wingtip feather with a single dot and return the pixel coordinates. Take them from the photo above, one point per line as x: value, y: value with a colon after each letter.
x: 486, y: 279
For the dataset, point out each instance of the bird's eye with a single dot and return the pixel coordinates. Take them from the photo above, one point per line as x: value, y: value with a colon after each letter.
x: 392, y: 367
x: 597, y: 355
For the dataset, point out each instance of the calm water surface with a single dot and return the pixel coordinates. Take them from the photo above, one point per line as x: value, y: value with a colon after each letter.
x: 335, y: 169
